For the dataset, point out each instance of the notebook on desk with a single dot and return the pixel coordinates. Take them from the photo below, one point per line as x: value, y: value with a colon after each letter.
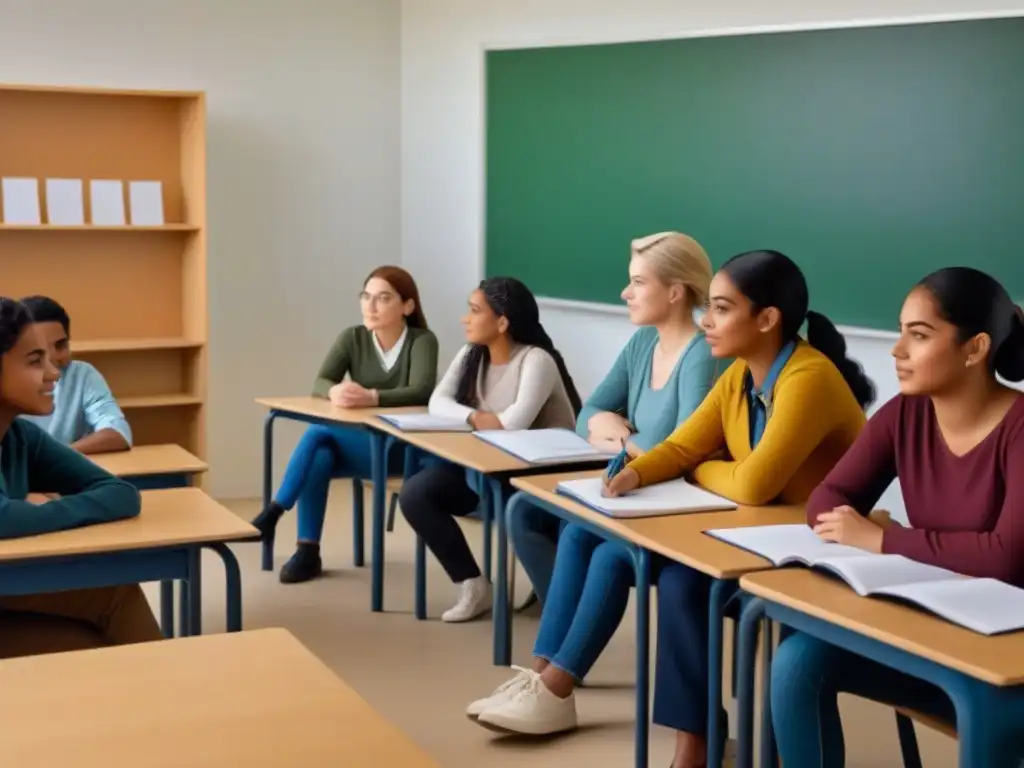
x: 544, y: 446
x: 676, y: 497
x: 986, y: 606
x: 425, y: 422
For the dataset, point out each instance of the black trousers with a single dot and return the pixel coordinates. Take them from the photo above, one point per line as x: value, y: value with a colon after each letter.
x: 431, y: 500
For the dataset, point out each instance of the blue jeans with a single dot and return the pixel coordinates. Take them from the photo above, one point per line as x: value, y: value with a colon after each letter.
x: 534, y: 534
x: 324, y: 454
x: 681, y: 668
x: 807, y: 676
x: 585, y: 603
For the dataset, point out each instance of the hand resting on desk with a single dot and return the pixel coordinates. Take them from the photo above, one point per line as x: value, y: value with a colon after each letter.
x: 348, y: 394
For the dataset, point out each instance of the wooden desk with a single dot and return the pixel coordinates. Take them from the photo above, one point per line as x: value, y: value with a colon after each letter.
x: 169, y: 518
x: 493, y: 467
x: 676, y: 537
x: 984, y: 676
x: 321, y: 409
x: 998, y: 659
x: 317, y: 410
x: 162, y: 544
x: 462, y: 448
x: 255, y: 699
x: 149, y: 460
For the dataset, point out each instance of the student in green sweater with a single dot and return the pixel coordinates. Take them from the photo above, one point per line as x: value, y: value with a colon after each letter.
x: 660, y: 377
x: 44, y: 487
x: 389, y: 360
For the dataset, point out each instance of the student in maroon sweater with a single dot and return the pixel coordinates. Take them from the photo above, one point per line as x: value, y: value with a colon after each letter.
x: 955, y: 439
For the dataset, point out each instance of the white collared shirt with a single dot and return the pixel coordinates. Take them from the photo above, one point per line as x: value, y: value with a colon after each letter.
x: 389, y: 358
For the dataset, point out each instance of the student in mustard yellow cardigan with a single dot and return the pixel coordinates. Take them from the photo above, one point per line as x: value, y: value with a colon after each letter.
x: 771, y: 429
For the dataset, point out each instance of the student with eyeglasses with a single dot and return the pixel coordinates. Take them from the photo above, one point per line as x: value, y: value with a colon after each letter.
x: 389, y: 360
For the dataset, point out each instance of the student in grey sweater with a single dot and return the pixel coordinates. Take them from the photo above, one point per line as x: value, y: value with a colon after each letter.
x: 509, y: 376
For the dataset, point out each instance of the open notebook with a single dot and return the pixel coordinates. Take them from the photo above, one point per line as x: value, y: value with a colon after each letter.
x: 544, y: 446
x: 676, y: 497
x: 986, y: 606
x: 425, y: 422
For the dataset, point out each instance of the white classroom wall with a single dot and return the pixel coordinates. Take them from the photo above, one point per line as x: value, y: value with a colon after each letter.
x: 442, y: 138
x: 303, y: 174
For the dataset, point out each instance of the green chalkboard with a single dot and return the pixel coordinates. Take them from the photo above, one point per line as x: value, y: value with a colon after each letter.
x: 870, y: 155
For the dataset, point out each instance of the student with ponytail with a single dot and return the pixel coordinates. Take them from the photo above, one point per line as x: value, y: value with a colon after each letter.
x: 508, y: 376
x: 954, y: 437
x: 770, y: 430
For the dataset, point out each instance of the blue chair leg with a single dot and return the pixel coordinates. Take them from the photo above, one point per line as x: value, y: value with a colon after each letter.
x: 908, y: 741
x: 358, y: 524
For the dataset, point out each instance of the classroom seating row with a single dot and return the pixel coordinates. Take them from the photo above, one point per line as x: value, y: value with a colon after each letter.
x: 977, y: 671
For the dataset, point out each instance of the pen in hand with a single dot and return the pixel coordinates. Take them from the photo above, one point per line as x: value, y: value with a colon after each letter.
x: 617, y: 464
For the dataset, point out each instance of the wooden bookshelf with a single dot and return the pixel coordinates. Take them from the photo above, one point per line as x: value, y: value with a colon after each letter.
x: 136, y: 295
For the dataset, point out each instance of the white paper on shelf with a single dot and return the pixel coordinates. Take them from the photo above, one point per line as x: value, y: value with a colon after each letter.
x: 21, y: 200
x: 146, y: 200
x: 106, y: 199
x: 64, y: 202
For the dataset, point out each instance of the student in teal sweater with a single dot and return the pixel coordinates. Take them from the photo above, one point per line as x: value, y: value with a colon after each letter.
x: 658, y: 379
x: 389, y: 360
x: 46, y: 486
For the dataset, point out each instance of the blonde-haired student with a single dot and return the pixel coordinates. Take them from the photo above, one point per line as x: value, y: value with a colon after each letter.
x: 954, y: 437
x: 658, y: 379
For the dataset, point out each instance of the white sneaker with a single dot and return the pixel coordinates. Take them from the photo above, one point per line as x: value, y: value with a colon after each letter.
x: 503, y: 693
x: 474, y: 600
x: 535, y: 711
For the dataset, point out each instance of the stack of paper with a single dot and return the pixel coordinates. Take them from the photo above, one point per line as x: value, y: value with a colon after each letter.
x: 676, y: 497
x: 425, y: 422
x: 544, y: 446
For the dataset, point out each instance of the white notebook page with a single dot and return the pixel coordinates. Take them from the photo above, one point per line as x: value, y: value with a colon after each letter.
x: 790, y: 543
x: 672, y: 496
x: 984, y: 605
x: 536, y: 445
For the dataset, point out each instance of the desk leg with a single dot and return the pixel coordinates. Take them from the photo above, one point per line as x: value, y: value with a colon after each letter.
x: 233, y: 586
x: 746, y: 669
x: 192, y: 596
x: 379, y: 476
x: 420, y: 568
x: 167, y: 608
x: 502, y: 599
x: 721, y: 592
x: 769, y: 754
x: 642, y: 566
x: 268, y: 479
x: 484, y: 491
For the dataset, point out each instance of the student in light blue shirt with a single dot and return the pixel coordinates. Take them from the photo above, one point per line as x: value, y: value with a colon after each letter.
x: 85, y: 416
x: 658, y: 379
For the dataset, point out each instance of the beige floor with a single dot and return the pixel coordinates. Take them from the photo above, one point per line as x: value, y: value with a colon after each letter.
x: 420, y: 675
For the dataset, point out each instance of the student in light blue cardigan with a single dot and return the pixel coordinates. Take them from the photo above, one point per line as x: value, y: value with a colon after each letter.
x: 659, y: 378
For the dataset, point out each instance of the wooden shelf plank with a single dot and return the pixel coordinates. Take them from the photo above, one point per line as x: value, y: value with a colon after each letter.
x: 158, y: 401
x: 97, y: 228
x: 88, y: 346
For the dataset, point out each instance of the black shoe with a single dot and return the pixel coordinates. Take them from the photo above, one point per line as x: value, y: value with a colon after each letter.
x: 531, y: 600
x: 304, y: 565
x: 266, y: 521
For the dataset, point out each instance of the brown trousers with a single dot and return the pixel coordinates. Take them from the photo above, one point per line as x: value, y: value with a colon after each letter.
x: 75, y: 620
